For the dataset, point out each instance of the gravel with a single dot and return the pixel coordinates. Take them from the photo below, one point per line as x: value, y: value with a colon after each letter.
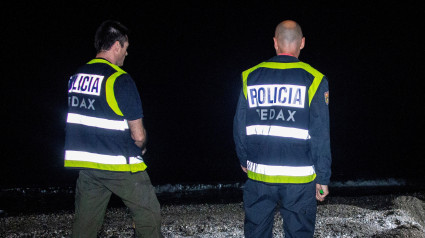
x: 366, y: 216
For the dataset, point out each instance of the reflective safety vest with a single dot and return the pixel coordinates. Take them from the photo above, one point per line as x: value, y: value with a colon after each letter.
x: 97, y: 135
x: 277, y: 121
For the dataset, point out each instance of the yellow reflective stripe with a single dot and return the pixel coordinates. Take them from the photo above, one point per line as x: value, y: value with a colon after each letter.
x: 296, y: 65
x: 280, y: 178
x: 110, y: 95
x: 110, y: 167
x: 315, y: 84
x: 109, y: 90
x: 117, y: 68
x: 245, y: 77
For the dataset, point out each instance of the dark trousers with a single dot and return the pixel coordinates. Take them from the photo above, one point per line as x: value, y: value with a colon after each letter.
x: 93, y: 191
x: 297, y: 203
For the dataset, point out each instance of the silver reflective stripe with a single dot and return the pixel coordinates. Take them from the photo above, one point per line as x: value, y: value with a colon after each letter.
x: 279, y: 131
x: 274, y: 170
x: 97, y: 122
x: 99, y: 158
x: 136, y: 160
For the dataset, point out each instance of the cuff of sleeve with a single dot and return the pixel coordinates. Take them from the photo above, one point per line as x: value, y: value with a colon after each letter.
x: 135, y: 117
x: 243, y: 162
x: 322, y: 181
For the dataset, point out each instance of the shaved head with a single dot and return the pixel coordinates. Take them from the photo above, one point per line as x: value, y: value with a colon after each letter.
x: 288, y: 38
x: 288, y: 31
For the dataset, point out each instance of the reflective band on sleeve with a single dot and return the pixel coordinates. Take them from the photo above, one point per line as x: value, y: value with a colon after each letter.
x: 97, y: 122
x: 279, y: 131
x: 274, y: 170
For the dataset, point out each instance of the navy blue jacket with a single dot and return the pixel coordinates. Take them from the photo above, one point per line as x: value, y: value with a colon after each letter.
x: 101, y: 99
x: 281, y: 125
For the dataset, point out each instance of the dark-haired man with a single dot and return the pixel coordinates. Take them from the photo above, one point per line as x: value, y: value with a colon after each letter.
x: 281, y: 132
x: 106, y: 139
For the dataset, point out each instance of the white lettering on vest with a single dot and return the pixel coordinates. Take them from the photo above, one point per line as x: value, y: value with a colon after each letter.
x: 276, y: 95
x: 270, y: 114
x: 75, y: 101
x: 89, y: 84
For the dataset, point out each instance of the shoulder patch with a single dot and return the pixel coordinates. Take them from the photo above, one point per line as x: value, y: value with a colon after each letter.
x: 327, y: 97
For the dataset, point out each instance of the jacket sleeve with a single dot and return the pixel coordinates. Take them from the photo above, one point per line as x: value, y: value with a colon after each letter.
x: 319, y: 132
x: 128, y: 97
x: 239, y: 130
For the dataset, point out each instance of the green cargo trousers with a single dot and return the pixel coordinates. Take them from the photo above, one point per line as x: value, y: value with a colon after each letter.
x: 93, y: 191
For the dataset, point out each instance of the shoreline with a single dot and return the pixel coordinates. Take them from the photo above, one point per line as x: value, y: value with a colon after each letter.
x: 38, y: 200
x: 392, y: 215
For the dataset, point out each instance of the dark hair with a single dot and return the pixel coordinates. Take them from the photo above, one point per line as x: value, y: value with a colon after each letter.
x: 108, y: 33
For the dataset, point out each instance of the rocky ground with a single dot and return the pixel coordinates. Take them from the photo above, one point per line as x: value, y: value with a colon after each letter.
x: 366, y: 216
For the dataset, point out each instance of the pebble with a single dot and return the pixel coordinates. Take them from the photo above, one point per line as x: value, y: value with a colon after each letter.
x: 373, y: 216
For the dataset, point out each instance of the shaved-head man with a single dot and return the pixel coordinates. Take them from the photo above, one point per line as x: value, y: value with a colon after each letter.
x: 281, y: 133
x: 288, y: 38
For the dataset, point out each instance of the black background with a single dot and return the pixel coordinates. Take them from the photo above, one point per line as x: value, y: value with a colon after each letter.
x: 186, y: 59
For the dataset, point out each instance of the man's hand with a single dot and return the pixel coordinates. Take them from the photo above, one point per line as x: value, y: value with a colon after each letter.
x: 321, y: 192
x: 243, y: 168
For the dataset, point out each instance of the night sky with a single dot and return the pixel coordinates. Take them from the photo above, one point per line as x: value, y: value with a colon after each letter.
x: 186, y: 59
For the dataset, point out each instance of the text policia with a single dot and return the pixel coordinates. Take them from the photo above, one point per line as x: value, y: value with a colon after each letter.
x: 283, y: 95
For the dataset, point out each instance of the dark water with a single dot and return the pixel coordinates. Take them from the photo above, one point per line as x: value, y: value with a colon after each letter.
x: 46, y: 200
x: 38, y: 189
x: 18, y: 201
